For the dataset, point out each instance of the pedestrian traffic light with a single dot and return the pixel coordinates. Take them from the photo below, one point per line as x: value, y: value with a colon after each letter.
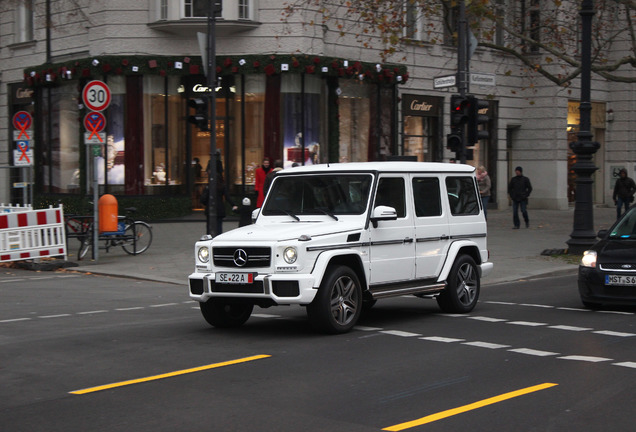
x: 200, y: 117
x: 478, y: 116
x: 460, y: 110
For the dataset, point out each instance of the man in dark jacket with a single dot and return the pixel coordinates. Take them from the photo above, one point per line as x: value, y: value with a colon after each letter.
x: 519, y: 190
x: 623, y: 192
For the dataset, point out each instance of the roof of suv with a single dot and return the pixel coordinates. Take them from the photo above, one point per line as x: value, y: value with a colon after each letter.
x: 421, y: 167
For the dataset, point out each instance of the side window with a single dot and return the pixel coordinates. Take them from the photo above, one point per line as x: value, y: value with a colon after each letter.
x: 391, y: 193
x: 462, y: 196
x: 426, y: 196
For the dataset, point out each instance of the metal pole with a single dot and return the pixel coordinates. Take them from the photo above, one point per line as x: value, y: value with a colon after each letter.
x: 583, y: 235
x: 95, y: 205
x: 462, y: 68
x: 212, y: 210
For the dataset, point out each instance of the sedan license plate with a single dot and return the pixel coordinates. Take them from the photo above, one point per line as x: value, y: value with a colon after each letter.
x: 620, y: 280
x: 235, y: 278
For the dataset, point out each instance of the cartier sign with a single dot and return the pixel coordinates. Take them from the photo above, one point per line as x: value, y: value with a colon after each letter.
x: 420, y: 105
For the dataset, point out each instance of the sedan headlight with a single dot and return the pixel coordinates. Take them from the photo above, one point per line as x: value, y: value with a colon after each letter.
x: 203, y: 254
x: 290, y: 255
x: 589, y: 259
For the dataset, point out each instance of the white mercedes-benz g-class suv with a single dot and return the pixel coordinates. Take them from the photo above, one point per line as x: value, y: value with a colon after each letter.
x: 337, y: 237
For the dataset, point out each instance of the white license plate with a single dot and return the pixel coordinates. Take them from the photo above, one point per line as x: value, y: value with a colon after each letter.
x: 234, y: 278
x: 620, y: 280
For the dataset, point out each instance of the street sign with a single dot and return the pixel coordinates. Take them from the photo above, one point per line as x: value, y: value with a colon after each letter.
x: 95, y: 122
x: 96, y: 95
x: 23, y: 155
x: 482, y: 79
x: 445, y: 81
x: 22, y: 121
x: 94, y: 137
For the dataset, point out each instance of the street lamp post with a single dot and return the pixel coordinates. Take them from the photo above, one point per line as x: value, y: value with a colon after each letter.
x: 211, y: 82
x: 583, y: 235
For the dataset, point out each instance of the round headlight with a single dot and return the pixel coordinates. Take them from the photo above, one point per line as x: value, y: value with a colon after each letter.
x: 290, y: 255
x: 203, y: 254
x: 589, y: 259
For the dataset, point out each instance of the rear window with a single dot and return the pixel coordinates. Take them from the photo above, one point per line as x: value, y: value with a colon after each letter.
x: 462, y: 195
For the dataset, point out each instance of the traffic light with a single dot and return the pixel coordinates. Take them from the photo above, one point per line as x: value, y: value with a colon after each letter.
x: 478, y: 116
x: 200, y: 118
x: 460, y: 110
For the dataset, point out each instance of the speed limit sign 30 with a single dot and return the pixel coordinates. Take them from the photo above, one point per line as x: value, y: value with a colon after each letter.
x: 96, y: 96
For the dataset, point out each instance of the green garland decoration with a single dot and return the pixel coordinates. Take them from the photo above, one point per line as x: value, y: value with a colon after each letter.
x: 269, y: 64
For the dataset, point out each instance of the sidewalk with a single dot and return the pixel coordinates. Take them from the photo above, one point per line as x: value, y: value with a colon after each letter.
x: 516, y: 254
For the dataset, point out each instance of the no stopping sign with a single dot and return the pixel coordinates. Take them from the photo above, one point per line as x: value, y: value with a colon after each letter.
x: 96, y: 96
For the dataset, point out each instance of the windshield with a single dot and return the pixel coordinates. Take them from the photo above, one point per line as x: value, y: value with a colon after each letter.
x: 318, y: 194
x: 626, y: 227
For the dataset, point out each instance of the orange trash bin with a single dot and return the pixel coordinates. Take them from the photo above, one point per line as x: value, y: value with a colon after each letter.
x: 108, y: 212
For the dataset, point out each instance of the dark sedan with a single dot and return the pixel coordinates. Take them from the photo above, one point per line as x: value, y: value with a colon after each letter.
x: 607, y: 273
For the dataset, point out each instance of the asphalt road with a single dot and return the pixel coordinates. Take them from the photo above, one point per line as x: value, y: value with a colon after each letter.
x: 85, y: 352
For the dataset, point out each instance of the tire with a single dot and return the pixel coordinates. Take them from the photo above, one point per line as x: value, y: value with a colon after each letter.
x: 226, y: 314
x: 462, y: 287
x: 86, y: 243
x: 143, y: 233
x: 338, y: 303
x: 591, y: 305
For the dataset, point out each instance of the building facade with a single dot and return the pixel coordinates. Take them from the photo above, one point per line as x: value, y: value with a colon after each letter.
x: 284, y: 91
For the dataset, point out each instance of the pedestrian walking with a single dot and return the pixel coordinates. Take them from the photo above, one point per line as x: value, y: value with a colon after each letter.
x: 483, y: 181
x: 519, y: 190
x: 624, y: 190
x: 259, y: 181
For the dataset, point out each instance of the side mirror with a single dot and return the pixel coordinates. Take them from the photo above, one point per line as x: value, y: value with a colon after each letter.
x: 381, y: 213
x: 601, y: 234
x: 255, y: 214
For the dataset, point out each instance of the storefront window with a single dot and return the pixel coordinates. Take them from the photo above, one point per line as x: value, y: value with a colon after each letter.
x: 355, y: 118
x: 254, y: 106
x: 164, y: 146
x: 60, y: 154
x: 112, y: 162
x: 301, y: 119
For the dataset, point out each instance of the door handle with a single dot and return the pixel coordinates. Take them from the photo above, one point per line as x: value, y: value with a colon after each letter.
x: 408, y: 240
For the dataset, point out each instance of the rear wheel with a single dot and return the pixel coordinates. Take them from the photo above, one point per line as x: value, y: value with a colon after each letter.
x: 139, y: 238
x: 338, y: 303
x: 86, y: 243
x: 462, y: 288
x: 226, y: 314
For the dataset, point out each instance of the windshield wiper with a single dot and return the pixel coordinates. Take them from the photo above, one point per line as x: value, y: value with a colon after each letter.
x: 327, y: 213
x: 290, y: 214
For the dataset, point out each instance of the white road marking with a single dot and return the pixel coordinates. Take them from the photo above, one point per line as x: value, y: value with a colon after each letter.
x: 92, y: 312
x: 570, y: 328
x: 613, y: 333
x: 626, y: 364
x: 533, y: 352
x: 399, y: 333
x: 590, y: 359
x: 527, y: 323
x: 487, y: 319
x: 15, y: 320
x: 163, y: 305
x: 129, y: 308
x: 54, y: 316
x: 441, y: 339
x: 265, y: 316
x: 537, y: 305
x: 488, y: 345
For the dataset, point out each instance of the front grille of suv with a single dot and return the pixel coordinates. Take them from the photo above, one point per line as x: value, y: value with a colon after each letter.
x: 252, y: 256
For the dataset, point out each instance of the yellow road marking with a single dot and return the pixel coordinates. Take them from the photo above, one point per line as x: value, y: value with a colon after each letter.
x: 448, y: 413
x: 169, y: 374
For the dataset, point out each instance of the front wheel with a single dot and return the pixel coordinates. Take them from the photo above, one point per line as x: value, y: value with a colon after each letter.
x: 138, y: 238
x: 338, y: 303
x: 462, y: 287
x: 226, y: 314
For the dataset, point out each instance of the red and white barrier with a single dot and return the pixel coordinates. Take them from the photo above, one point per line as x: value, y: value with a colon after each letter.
x: 32, y: 234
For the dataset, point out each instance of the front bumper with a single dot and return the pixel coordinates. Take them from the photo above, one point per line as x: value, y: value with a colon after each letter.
x: 592, y: 288
x: 278, y: 289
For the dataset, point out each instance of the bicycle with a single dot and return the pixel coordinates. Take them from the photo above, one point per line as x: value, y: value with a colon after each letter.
x: 134, y: 236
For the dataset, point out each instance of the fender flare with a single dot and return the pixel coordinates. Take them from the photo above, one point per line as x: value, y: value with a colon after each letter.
x: 453, y: 251
x: 325, y: 257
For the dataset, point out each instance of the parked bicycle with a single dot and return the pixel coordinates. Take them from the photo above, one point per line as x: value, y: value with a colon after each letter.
x: 134, y: 236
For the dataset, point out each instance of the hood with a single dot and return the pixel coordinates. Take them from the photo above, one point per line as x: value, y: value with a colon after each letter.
x: 617, y: 251
x: 289, y: 230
